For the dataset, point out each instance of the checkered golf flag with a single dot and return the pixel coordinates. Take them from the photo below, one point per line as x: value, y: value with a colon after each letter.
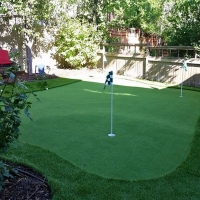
x: 109, y: 79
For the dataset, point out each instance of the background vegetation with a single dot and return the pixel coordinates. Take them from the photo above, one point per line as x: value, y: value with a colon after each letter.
x: 177, y: 22
x: 184, y: 23
x: 77, y: 45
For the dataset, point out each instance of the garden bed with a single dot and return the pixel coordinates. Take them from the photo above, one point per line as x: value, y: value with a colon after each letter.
x: 25, y: 184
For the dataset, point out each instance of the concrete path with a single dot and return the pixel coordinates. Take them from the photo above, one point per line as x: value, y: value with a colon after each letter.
x: 99, y: 76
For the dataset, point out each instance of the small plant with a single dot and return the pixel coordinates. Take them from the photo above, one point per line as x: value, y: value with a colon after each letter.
x: 42, y: 84
x: 13, y: 99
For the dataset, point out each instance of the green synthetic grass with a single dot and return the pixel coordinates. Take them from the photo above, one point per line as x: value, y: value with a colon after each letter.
x: 154, y: 128
x: 70, y: 182
x: 51, y: 83
x: 186, y: 88
x: 33, y: 86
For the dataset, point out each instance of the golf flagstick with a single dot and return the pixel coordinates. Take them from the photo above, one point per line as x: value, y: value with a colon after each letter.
x: 181, y: 95
x: 111, y: 134
x: 109, y: 81
x: 183, y: 67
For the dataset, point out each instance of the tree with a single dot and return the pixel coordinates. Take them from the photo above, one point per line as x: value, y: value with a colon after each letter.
x: 184, y: 23
x: 146, y: 15
x: 93, y: 11
x: 31, y: 14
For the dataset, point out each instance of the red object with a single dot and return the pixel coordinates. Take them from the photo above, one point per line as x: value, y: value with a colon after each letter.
x: 4, y: 58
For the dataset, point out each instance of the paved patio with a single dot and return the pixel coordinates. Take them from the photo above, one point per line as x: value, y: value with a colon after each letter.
x: 99, y: 76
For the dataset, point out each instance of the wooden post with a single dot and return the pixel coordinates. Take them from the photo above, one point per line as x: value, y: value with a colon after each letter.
x: 145, y: 66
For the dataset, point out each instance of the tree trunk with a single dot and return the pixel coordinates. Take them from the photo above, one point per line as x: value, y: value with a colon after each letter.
x: 29, y: 57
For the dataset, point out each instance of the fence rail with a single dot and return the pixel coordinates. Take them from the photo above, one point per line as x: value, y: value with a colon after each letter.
x: 157, y: 51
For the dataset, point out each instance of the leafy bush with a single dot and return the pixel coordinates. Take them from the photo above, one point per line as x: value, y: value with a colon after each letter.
x: 77, y: 44
x: 13, y: 99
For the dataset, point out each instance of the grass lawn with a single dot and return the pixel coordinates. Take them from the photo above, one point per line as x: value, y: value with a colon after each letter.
x: 153, y: 128
x: 155, y: 154
x: 33, y: 86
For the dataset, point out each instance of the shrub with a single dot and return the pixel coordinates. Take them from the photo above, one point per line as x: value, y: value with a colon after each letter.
x: 77, y: 45
x: 13, y: 100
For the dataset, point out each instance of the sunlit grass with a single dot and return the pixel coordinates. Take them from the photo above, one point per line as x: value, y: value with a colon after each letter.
x: 68, y: 181
x: 151, y: 138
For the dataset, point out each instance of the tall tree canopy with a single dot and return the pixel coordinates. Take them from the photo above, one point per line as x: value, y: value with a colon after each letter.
x: 146, y: 14
x: 184, y: 23
x: 142, y: 14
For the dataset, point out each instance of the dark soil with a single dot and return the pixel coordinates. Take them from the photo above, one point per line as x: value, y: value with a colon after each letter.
x: 22, y: 76
x: 26, y: 184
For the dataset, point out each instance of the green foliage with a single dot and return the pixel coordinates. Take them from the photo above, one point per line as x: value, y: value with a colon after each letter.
x: 29, y: 13
x: 13, y: 100
x: 147, y: 15
x: 42, y: 84
x: 197, y: 48
x: 94, y: 11
x: 184, y: 23
x: 77, y: 45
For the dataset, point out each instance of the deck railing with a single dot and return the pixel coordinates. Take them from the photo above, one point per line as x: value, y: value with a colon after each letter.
x: 155, y: 51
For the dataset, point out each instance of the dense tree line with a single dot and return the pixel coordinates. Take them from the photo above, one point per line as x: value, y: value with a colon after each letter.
x: 176, y: 21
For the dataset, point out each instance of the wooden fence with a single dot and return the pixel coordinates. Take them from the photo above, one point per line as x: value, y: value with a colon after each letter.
x: 162, y: 68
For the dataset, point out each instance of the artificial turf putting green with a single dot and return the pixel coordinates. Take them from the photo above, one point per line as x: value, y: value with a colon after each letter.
x: 153, y: 128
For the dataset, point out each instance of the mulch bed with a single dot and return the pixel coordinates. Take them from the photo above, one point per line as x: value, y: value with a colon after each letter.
x: 26, y: 184
x: 25, y: 77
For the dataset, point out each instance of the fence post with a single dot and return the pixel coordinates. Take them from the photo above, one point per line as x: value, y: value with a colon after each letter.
x: 145, y: 66
x: 103, y: 58
x: 195, y: 54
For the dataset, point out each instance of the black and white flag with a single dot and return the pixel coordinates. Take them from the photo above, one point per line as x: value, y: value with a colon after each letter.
x: 109, y: 79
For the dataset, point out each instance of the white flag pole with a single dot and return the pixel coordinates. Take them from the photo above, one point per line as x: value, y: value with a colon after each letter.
x: 111, y: 134
x: 181, y: 95
x: 183, y: 67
